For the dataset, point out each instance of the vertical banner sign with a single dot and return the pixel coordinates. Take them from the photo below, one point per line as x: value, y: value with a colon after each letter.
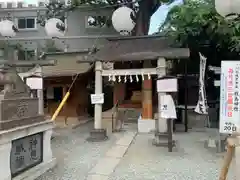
x: 229, y: 97
x: 201, y: 107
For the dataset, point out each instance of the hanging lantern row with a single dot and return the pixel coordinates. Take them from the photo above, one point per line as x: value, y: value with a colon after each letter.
x: 123, y: 20
x: 54, y: 28
x: 126, y: 78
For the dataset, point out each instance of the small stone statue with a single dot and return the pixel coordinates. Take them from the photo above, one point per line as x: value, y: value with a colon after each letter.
x: 13, y: 84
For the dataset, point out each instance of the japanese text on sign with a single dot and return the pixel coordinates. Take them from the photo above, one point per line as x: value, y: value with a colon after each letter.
x: 229, y: 100
x: 230, y: 92
x: 236, y: 92
x: 26, y: 153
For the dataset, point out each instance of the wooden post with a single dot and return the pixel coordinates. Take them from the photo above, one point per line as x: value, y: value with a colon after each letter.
x: 147, y: 112
x: 226, y: 163
x: 232, y: 142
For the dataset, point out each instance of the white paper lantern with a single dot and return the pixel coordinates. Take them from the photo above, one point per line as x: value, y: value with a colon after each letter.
x: 122, y: 21
x: 225, y: 7
x: 7, y: 28
x: 51, y: 27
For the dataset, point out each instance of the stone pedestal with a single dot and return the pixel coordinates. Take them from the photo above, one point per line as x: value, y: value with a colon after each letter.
x: 97, y: 135
x: 25, y: 151
x: 18, y: 111
x: 146, y: 125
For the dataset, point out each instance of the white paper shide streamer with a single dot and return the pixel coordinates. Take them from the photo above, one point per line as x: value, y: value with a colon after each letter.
x: 201, y: 107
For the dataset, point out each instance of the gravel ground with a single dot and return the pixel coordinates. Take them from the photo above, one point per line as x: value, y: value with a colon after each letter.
x: 143, y: 161
x: 75, y: 156
x: 192, y: 161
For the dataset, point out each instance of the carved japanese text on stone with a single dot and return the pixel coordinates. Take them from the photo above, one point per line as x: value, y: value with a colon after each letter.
x: 26, y: 153
x: 18, y: 109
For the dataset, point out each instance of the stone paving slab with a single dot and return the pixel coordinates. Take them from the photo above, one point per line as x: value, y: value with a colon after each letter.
x: 126, y: 140
x: 192, y: 161
x: 97, y: 177
x: 75, y: 156
x: 117, y: 151
x: 105, y: 166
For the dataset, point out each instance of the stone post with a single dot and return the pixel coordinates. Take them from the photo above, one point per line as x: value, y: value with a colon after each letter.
x: 162, y: 123
x: 11, y: 55
x: 98, y: 90
x: 98, y: 133
x: 40, y: 101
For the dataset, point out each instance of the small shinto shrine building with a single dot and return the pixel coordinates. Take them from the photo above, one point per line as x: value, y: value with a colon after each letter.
x: 132, y: 65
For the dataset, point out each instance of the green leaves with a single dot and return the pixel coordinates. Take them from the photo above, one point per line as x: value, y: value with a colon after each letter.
x: 197, y: 22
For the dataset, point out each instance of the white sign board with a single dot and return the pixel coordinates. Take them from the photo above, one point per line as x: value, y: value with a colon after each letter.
x: 35, y: 82
x: 229, y: 97
x: 167, y: 85
x: 168, y: 109
x: 97, y: 98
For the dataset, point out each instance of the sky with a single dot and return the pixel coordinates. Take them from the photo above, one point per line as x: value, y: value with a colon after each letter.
x: 156, y: 20
x: 160, y: 15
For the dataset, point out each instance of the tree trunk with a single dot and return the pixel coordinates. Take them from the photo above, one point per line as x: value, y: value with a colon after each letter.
x: 146, y: 9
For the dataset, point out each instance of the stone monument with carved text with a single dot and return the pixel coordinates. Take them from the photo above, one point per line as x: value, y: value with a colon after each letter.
x: 25, y: 135
x: 17, y: 107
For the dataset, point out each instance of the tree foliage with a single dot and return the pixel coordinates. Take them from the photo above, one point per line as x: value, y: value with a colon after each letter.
x: 197, y: 23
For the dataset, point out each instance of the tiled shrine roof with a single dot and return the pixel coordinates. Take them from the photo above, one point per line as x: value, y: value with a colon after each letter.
x: 134, y: 49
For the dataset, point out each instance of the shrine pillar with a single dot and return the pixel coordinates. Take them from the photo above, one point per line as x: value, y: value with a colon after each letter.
x: 98, y: 90
x: 147, y: 113
x: 161, y: 125
x: 98, y: 133
x: 146, y: 122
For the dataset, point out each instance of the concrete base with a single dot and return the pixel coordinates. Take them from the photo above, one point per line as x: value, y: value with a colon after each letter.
x: 215, y: 141
x: 6, y: 138
x: 36, y: 171
x: 146, y: 125
x: 97, y: 135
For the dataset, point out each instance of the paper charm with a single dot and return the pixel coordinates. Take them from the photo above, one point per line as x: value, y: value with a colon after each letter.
x: 114, y: 78
x: 137, y: 78
x: 119, y: 79
x: 109, y: 78
x: 149, y: 77
x: 131, y: 79
x: 125, y: 78
x: 143, y: 77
